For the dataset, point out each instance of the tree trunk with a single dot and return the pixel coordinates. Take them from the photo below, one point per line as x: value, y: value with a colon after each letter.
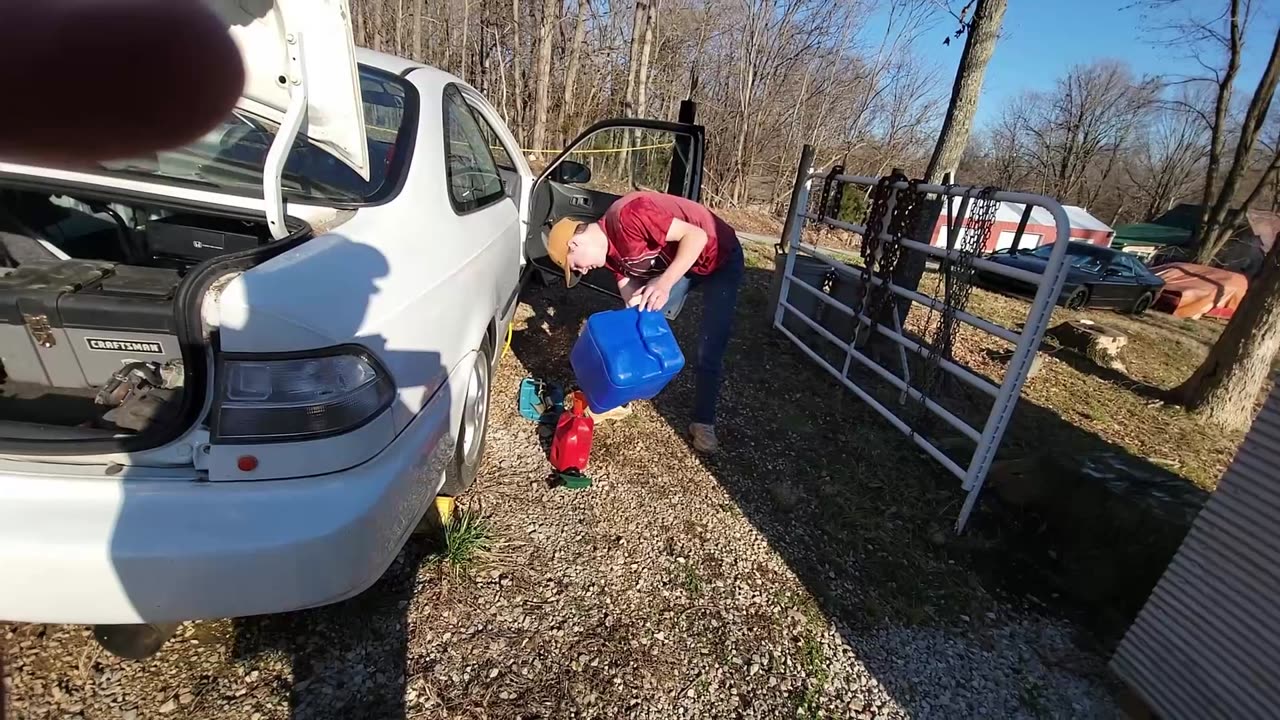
x: 375, y: 26
x: 400, y: 28
x: 517, y: 77
x: 1219, y: 223
x: 638, y: 24
x: 571, y: 75
x: 1225, y: 388
x: 418, y: 7
x: 357, y: 24
x: 434, y: 43
x: 466, y: 26
x: 642, y: 82
x: 546, y: 43
x: 633, y: 59
x: 1218, y: 132
x: 979, y: 44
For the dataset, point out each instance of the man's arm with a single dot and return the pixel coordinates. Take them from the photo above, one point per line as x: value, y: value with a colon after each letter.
x: 690, y: 241
x: 629, y: 290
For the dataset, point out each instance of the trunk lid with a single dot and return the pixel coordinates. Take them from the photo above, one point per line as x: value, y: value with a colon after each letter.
x: 302, y: 49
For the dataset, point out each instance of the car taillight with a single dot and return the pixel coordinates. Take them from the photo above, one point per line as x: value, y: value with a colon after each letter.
x: 298, y: 398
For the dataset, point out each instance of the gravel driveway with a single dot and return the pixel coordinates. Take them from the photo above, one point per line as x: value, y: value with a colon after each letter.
x: 803, y: 572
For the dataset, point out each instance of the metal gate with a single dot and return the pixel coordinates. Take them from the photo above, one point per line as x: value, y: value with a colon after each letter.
x: 809, y: 333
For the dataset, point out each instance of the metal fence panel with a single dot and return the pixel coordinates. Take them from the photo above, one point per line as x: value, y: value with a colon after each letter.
x: 1026, y: 341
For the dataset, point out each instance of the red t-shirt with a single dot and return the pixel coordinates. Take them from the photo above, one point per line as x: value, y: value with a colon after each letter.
x: 637, y: 225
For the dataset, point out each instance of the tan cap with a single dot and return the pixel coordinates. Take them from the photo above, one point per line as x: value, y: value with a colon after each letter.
x: 558, y: 247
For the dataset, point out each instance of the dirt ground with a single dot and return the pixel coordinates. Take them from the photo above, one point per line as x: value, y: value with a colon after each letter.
x: 808, y: 570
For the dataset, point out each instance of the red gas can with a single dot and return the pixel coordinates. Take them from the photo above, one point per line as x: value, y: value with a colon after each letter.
x: 571, y: 445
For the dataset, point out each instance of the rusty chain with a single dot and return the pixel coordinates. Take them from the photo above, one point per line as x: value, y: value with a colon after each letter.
x: 880, y: 258
x: 957, y: 281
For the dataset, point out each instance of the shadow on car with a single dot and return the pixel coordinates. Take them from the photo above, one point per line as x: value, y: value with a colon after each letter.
x: 346, y: 659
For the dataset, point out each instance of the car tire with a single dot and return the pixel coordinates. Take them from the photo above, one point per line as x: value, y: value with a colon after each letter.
x: 473, y: 431
x: 1142, y: 304
x: 1078, y: 299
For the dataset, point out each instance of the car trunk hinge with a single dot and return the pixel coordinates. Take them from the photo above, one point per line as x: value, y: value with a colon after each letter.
x: 273, y: 171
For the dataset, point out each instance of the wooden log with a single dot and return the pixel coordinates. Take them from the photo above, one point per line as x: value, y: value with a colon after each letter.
x: 1099, y: 343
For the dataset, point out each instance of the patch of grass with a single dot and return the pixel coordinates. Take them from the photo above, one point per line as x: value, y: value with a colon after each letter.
x: 1105, y: 408
x: 814, y: 661
x: 1031, y: 696
x: 468, y: 542
x: 690, y: 579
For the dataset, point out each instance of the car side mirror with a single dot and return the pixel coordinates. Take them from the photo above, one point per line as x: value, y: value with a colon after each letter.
x: 571, y: 173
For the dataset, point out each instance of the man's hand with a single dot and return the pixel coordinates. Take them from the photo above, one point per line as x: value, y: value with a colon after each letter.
x: 655, y: 294
x: 629, y: 291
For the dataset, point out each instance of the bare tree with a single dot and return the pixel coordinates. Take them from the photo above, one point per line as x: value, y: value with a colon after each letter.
x: 812, y: 67
x: 1009, y: 156
x: 638, y: 25
x: 1168, y: 159
x: 1091, y: 114
x: 542, y: 79
x: 980, y: 42
x: 516, y: 119
x: 1218, y: 219
x: 400, y: 27
x: 575, y: 58
x: 419, y: 7
x: 1225, y: 388
x: 646, y: 47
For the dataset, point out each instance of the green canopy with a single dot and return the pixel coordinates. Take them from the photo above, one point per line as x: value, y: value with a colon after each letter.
x: 1149, y: 234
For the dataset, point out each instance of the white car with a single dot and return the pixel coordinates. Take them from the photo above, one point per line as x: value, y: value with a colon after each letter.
x: 236, y: 374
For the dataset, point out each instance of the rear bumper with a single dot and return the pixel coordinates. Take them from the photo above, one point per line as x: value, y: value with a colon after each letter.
x: 80, y: 546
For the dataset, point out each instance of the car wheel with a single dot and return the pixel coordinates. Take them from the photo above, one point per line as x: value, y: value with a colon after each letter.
x: 1078, y: 299
x: 1141, y: 304
x: 474, y: 429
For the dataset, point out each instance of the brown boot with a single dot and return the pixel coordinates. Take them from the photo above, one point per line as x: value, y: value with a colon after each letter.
x: 703, y: 437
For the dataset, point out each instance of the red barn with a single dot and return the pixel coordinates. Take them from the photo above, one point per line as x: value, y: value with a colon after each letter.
x: 1040, y: 227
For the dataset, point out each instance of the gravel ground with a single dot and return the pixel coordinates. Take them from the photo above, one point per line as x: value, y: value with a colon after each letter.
x: 748, y: 585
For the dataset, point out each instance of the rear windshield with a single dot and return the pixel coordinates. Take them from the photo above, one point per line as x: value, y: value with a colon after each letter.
x: 231, y: 156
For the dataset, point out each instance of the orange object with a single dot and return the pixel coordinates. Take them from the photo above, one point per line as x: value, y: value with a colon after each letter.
x: 247, y: 463
x: 1193, y: 291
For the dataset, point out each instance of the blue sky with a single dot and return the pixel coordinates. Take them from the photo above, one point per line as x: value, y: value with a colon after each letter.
x: 1041, y: 39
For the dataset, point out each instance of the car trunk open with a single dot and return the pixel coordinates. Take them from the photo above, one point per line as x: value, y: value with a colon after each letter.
x: 104, y: 293
x: 102, y: 343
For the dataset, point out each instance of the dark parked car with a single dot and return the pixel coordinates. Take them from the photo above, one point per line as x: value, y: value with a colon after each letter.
x: 1097, y: 277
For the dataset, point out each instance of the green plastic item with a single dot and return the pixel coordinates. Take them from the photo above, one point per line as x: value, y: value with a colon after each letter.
x: 574, y: 480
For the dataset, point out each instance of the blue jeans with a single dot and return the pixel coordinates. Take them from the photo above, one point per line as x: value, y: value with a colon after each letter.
x: 719, y: 298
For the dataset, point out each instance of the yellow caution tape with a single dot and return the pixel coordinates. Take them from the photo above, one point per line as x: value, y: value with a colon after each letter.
x: 588, y: 152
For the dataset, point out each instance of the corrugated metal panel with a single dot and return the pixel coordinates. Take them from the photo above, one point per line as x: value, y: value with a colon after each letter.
x: 1207, y: 643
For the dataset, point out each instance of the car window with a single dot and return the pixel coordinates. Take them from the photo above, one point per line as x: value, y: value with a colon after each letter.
x: 470, y: 170
x: 1078, y: 256
x: 500, y: 155
x: 1135, y: 264
x: 1120, y: 266
x: 232, y: 155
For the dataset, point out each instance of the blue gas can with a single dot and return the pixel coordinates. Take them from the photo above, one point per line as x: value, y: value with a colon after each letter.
x: 624, y: 355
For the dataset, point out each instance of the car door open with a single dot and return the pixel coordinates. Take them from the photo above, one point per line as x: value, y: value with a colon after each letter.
x: 605, y: 162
